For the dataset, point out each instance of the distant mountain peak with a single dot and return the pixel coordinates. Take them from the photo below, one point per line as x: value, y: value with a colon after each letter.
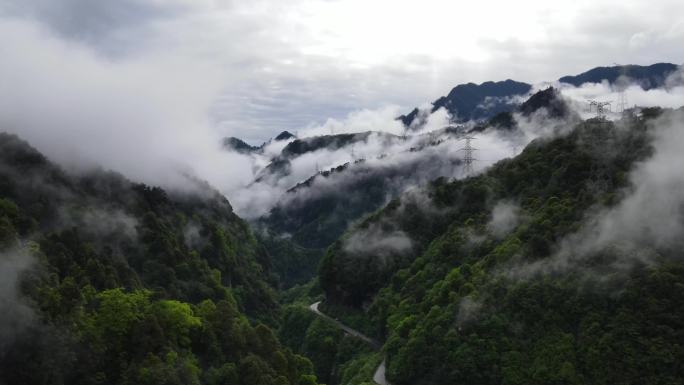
x: 285, y: 135
x: 238, y: 145
x: 550, y: 99
x: 472, y: 101
x: 652, y: 76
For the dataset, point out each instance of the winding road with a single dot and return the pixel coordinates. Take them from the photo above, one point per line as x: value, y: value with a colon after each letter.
x: 379, y: 375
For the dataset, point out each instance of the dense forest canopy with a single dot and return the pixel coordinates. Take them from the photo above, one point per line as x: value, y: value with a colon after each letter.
x: 523, y: 274
x: 123, y: 283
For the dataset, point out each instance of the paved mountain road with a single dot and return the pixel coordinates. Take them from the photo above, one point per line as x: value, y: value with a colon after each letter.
x: 379, y: 376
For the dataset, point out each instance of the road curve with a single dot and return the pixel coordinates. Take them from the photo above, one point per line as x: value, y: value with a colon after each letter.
x: 379, y: 375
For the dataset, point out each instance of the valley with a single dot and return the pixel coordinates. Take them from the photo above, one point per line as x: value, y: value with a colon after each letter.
x: 369, y: 257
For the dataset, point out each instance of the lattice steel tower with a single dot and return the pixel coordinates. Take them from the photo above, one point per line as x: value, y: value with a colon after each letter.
x: 468, y: 158
x: 622, y: 86
x: 600, y: 108
x: 622, y: 102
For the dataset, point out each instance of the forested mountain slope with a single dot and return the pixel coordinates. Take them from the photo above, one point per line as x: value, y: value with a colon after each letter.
x: 110, y: 282
x: 314, y: 213
x: 501, y: 278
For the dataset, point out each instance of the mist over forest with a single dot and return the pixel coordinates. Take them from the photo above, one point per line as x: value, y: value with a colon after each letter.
x: 257, y: 193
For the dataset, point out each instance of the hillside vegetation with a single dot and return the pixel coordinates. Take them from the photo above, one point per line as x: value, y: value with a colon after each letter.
x: 483, y: 292
x: 123, y: 283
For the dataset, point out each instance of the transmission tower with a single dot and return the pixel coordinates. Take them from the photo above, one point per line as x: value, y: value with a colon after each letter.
x: 352, y: 153
x: 622, y: 102
x: 468, y: 158
x: 622, y: 98
x: 600, y: 108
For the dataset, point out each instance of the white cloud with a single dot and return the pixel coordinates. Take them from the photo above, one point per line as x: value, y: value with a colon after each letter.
x: 145, y: 117
x: 505, y: 216
x: 302, y: 61
x: 648, y: 219
x: 672, y: 96
x: 151, y: 87
x: 16, y: 314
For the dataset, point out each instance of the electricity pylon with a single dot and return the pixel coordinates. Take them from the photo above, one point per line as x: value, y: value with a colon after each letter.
x: 600, y: 108
x: 622, y: 98
x: 622, y: 102
x: 468, y: 158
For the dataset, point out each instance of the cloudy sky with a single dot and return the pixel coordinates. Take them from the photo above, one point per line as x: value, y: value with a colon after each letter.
x: 275, y: 64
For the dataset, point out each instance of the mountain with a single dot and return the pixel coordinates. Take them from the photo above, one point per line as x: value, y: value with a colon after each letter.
x: 285, y: 135
x: 550, y: 101
x: 317, y: 211
x: 484, y: 101
x: 537, y: 269
x: 280, y: 166
x: 110, y: 281
x: 652, y: 76
x: 470, y: 280
x: 302, y: 146
x: 239, y: 145
x: 475, y: 101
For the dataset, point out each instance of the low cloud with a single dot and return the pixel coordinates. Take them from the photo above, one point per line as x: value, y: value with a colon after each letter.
x: 652, y: 213
x: 16, y: 314
x: 99, y: 222
x: 468, y: 311
x: 648, y: 220
x: 379, y: 120
x: 670, y: 96
x: 377, y: 241
x: 146, y: 117
x: 505, y: 217
x: 402, y: 161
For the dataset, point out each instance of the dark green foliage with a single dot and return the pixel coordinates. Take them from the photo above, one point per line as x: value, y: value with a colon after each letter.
x: 565, y: 168
x: 293, y: 264
x: 331, y: 351
x: 316, y: 218
x: 132, y: 284
x: 464, y: 305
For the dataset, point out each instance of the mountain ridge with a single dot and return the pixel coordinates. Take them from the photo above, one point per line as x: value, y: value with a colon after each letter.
x: 464, y: 100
